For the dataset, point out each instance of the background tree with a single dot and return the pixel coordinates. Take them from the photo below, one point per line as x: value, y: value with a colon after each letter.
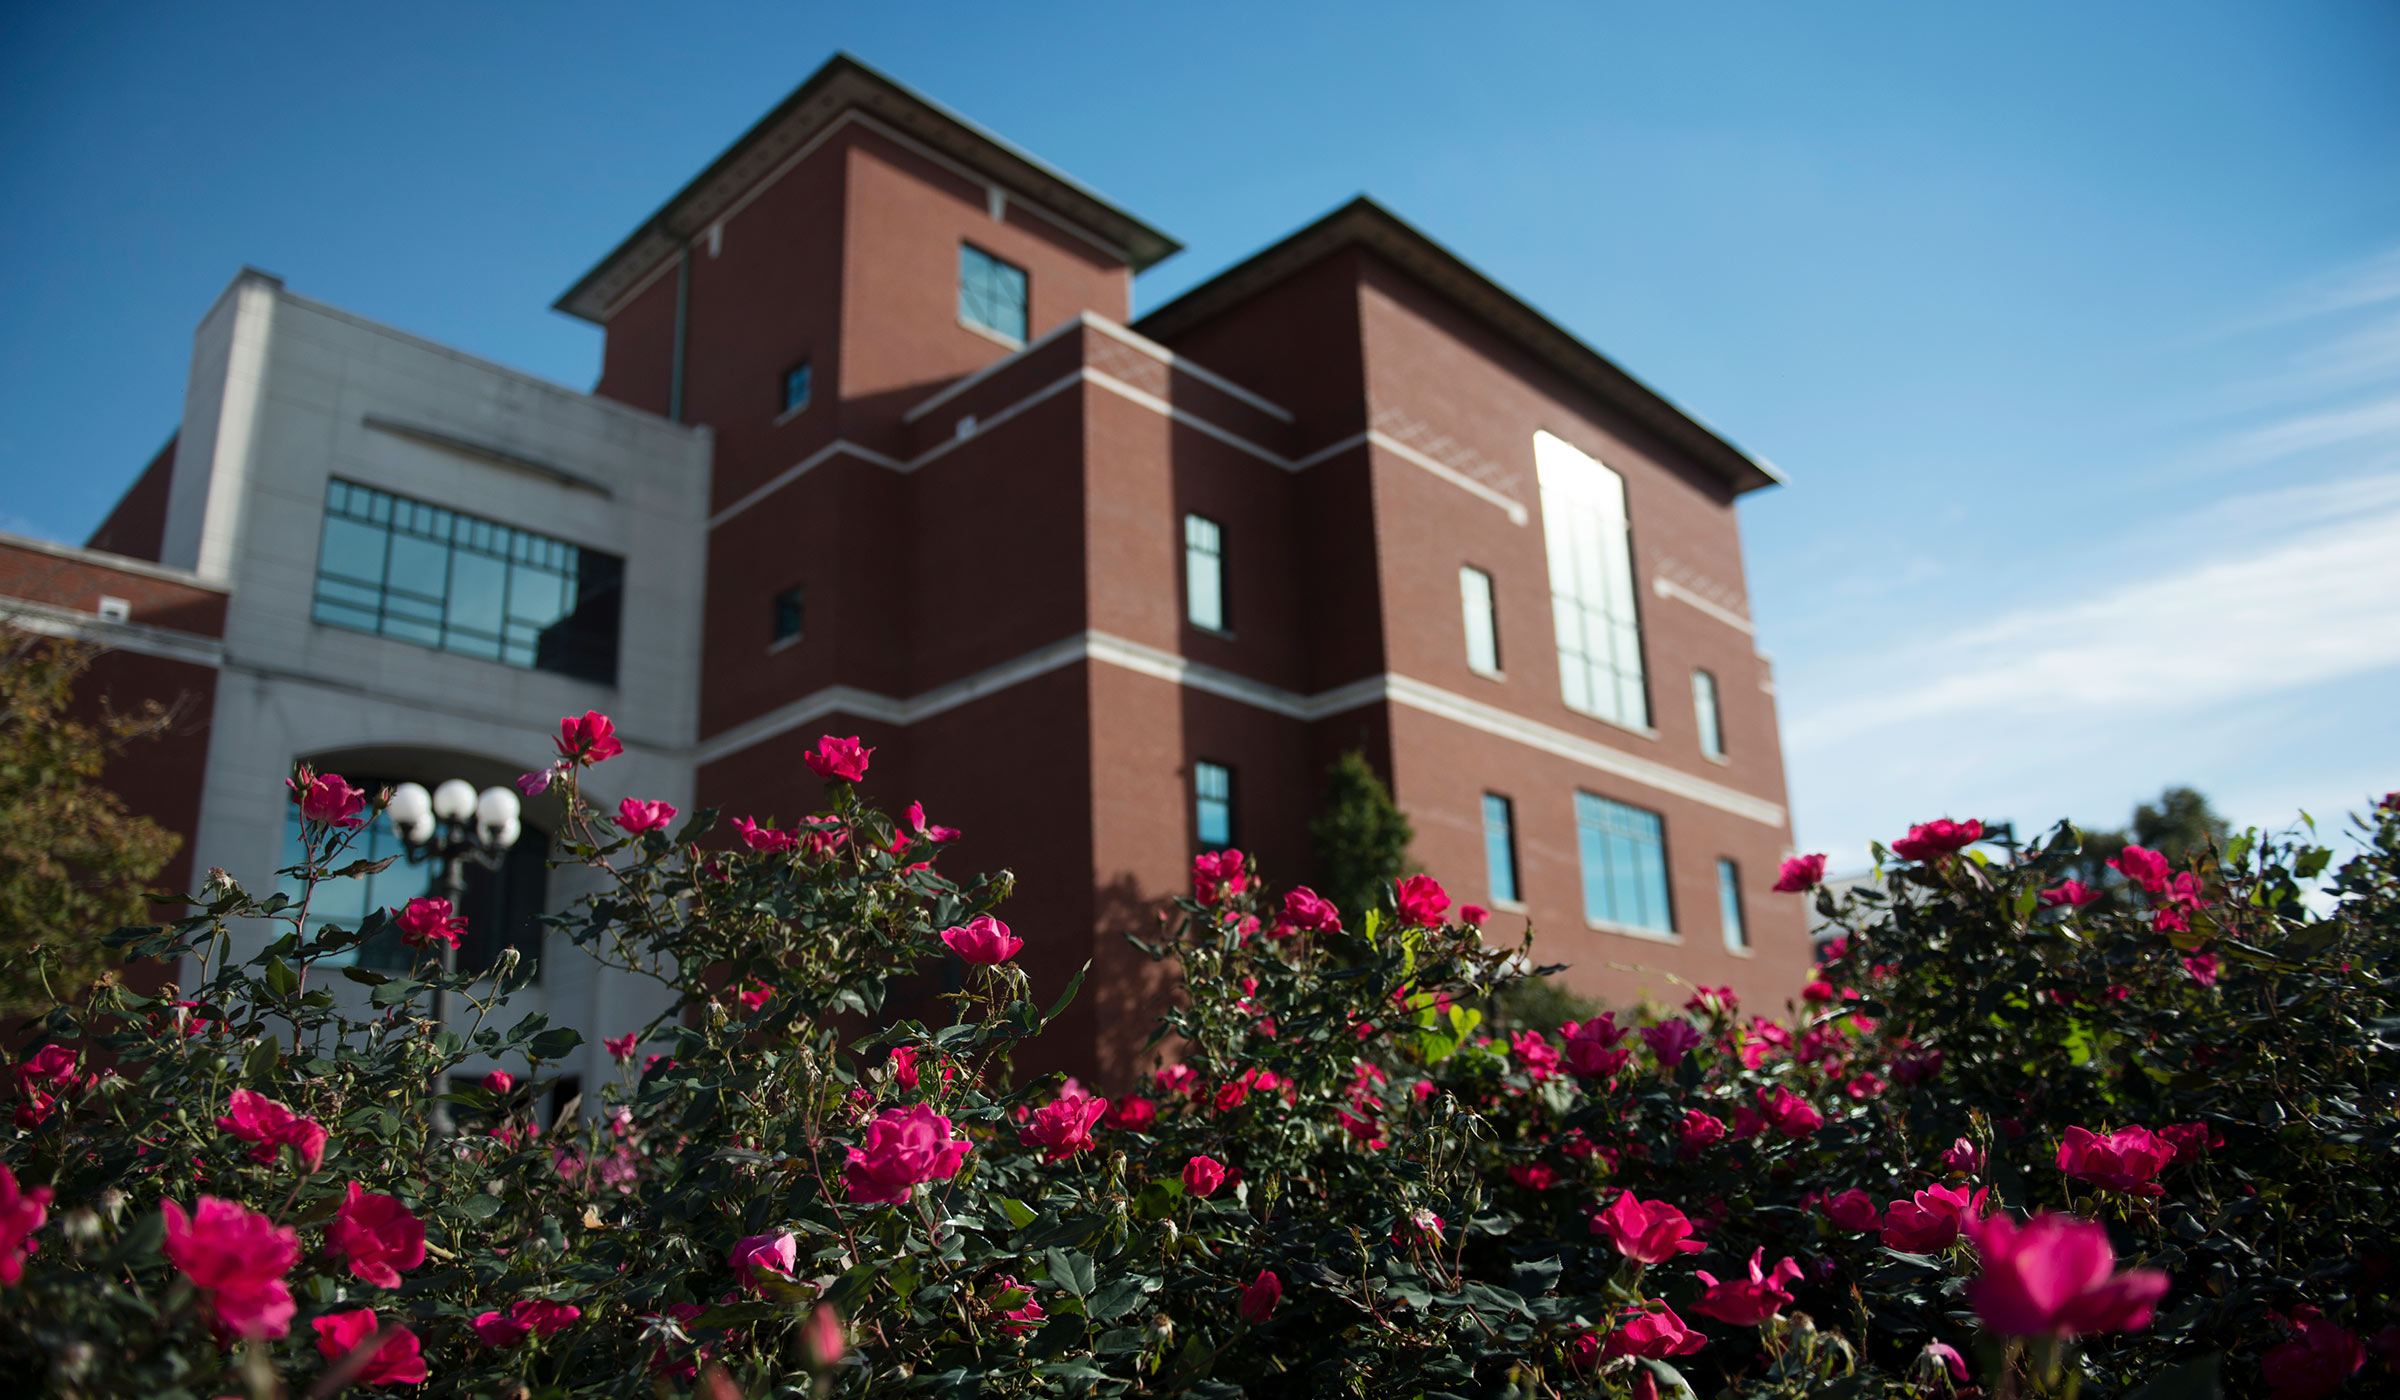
x: 74, y: 860
x: 1359, y: 838
x: 2179, y: 825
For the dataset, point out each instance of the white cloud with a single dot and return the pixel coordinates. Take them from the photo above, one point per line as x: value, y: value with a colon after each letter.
x: 2312, y: 594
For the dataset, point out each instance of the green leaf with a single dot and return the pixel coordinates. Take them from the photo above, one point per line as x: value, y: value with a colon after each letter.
x: 397, y: 992
x: 480, y: 1206
x: 2193, y: 1380
x: 365, y: 976
x: 1071, y: 1269
x: 1074, y: 985
x: 282, y: 981
x: 261, y: 1060
x: 1019, y: 1214
x: 555, y: 1043
x: 1120, y: 1297
x: 1670, y: 1381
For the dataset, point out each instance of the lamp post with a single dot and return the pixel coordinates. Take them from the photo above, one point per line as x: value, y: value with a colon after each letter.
x: 448, y: 828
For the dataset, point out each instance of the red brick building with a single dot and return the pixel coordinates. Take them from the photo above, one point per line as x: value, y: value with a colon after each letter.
x: 984, y: 507
x: 1102, y: 592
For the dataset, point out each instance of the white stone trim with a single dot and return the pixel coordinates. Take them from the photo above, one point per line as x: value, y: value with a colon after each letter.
x: 1137, y: 341
x: 1667, y: 588
x: 961, y: 386
x: 1517, y: 514
x: 123, y: 564
x: 1129, y: 655
x: 51, y: 620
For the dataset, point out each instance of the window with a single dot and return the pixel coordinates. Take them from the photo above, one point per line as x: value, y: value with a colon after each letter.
x: 1729, y: 905
x: 1204, y: 572
x: 457, y: 582
x: 788, y: 614
x: 795, y: 388
x: 1483, y: 629
x: 1624, y: 853
x: 503, y: 907
x: 1212, y: 804
x: 1591, y: 584
x: 1500, y: 847
x: 991, y: 293
x: 1704, y: 707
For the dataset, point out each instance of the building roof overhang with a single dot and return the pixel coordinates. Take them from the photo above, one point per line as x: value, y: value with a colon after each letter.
x: 1364, y: 223
x: 844, y: 84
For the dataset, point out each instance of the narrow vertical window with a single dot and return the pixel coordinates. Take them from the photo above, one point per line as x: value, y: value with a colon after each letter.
x: 1500, y: 847
x: 1704, y: 708
x: 991, y: 294
x: 795, y: 388
x: 789, y: 613
x: 1729, y: 905
x: 1483, y: 629
x: 1204, y: 572
x: 1624, y: 856
x: 1212, y: 804
x: 1591, y: 584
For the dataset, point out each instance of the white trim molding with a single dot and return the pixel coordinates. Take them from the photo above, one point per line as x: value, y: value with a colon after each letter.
x: 1125, y: 654
x: 1666, y: 587
x: 51, y: 620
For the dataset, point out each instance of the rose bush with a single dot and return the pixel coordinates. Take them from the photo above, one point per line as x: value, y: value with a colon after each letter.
x: 2004, y: 1140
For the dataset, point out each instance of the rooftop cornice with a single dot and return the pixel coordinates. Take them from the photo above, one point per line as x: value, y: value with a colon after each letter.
x: 844, y: 84
x: 1364, y: 223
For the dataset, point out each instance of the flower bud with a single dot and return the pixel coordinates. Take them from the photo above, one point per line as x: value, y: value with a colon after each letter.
x: 822, y: 1334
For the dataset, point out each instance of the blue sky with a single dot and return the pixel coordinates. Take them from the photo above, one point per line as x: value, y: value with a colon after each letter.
x: 2076, y: 327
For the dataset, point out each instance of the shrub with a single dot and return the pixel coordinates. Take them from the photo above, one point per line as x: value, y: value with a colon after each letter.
x: 2053, y: 1119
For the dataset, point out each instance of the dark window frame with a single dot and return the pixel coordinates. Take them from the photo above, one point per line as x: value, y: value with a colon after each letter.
x: 804, y: 372
x: 795, y: 598
x: 976, y: 298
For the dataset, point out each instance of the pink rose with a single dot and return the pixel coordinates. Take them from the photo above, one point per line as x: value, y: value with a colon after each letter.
x: 239, y: 1257
x: 1216, y: 874
x: 2125, y: 1160
x: 2318, y: 1360
x: 1305, y: 909
x: 2190, y: 1140
x: 2072, y: 893
x: 621, y: 1047
x: 764, y: 838
x: 1935, y: 839
x: 754, y: 996
x: 1063, y: 1126
x: 534, y: 784
x: 904, y: 1146
x: 255, y: 1118
x: 2142, y: 866
x: 1854, y: 1211
x: 499, y: 1081
x: 1790, y: 1114
x: 1931, y: 1219
x: 376, y: 1236
x: 1420, y: 901
x: 638, y: 816
x: 1133, y: 1114
x: 1015, y: 1302
x: 591, y: 739
x: 1748, y: 1302
x: 1800, y: 873
x: 21, y: 1213
x: 2056, y: 1275
x: 425, y: 922
x: 1671, y: 1040
x: 499, y: 1331
x: 1178, y: 1079
x: 982, y: 939
x: 1713, y: 1001
x: 1654, y: 1331
x: 397, y: 1361
x: 904, y: 1066
x: 327, y: 798
x: 754, y: 1255
x: 1647, y: 1233
x: 1202, y: 1176
x: 1533, y: 1050
x: 1259, y: 1299
x: 1418, y: 1227
x: 1963, y: 1157
x: 2203, y: 968
x: 1698, y: 1132
x: 1588, y: 1047
x: 835, y: 758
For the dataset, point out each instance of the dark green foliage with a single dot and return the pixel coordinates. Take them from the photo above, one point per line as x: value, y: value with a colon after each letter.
x: 1359, y: 838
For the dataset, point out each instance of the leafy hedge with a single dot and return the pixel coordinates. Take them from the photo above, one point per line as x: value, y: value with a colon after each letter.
x: 1338, y: 1186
